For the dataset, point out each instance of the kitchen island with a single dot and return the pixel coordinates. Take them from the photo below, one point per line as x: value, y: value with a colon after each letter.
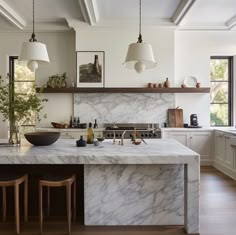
x: 153, y: 184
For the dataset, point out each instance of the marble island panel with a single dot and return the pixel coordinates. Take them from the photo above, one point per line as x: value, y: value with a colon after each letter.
x: 153, y: 184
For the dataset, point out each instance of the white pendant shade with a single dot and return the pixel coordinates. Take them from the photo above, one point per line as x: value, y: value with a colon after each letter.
x: 140, y: 52
x: 34, y: 51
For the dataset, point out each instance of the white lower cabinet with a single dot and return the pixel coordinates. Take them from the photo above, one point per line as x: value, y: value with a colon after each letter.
x: 229, y: 157
x: 225, y: 153
x: 198, y: 141
x: 180, y: 136
x: 219, y: 147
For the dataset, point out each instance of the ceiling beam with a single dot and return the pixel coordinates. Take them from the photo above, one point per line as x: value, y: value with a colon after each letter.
x: 231, y: 23
x: 182, y: 10
x: 10, y: 15
x: 90, y: 11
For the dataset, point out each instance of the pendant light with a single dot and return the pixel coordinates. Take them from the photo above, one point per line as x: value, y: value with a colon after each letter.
x: 33, y: 51
x: 140, y: 55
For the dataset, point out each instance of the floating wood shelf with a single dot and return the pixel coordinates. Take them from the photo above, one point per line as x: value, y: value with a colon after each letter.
x: 126, y: 90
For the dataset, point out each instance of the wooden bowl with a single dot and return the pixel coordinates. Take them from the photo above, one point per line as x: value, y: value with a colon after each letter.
x: 137, y: 142
x: 59, y: 125
x: 42, y: 138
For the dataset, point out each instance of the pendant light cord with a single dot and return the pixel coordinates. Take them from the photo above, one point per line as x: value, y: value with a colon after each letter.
x: 140, y: 40
x: 33, y: 36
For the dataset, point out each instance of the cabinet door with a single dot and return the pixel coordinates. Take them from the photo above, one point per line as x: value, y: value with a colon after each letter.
x: 229, y: 155
x: 180, y: 136
x: 201, y: 142
x: 219, y: 147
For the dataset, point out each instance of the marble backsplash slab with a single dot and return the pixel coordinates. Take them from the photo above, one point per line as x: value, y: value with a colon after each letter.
x: 123, y: 107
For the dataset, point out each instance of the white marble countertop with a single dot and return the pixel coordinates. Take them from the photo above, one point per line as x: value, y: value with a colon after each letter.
x: 230, y: 129
x: 66, y: 129
x: 161, y: 151
x: 187, y: 129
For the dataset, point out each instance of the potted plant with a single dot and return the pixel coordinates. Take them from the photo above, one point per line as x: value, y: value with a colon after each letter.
x: 18, y: 108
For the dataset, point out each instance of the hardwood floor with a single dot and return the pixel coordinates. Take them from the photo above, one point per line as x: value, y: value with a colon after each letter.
x: 217, y: 204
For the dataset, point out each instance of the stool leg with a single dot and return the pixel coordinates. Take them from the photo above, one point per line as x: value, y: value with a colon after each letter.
x: 68, y: 202
x: 74, y: 200
x: 26, y: 199
x: 17, y: 209
x: 41, y: 207
x: 4, y: 204
x: 48, y: 201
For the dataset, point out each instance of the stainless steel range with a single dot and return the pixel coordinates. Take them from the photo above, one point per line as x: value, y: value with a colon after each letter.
x: 143, y: 130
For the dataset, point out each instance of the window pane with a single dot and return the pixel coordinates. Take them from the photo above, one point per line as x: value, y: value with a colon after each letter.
x: 24, y: 87
x: 219, y: 69
x: 219, y: 92
x: 22, y: 73
x: 219, y: 115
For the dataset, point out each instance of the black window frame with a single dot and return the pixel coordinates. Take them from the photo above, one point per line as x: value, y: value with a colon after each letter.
x: 12, y: 79
x: 230, y: 88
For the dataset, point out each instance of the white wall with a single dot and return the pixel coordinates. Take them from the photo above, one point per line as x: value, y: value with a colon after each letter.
x: 61, y: 49
x: 178, y: 54
x: 115, y: 44
x: 192, y: 57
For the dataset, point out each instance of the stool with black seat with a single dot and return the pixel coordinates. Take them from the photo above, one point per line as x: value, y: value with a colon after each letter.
x: 15, y: 181
x: 58, y: 181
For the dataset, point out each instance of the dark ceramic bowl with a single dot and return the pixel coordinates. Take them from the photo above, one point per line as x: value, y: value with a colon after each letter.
x: 42, y: 138
x: 100, y: 139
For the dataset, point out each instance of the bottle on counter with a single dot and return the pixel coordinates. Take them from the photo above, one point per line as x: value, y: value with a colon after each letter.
x: 74, y: 123
x: 78, y: 122
x: 95, y: 125
x: 71, y: 122
x: 90, y: 134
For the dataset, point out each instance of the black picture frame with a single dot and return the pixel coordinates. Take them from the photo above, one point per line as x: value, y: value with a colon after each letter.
x: 90, y: 69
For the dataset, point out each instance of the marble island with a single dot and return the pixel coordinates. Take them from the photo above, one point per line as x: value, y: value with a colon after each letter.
x: 153, y: 184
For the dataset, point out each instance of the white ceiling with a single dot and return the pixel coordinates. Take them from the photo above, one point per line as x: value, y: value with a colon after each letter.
x: 63, y: 14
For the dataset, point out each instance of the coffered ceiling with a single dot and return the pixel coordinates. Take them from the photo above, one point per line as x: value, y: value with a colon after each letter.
x: 51, y: 15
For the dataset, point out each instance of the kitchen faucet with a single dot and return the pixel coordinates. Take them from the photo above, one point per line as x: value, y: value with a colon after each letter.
x: 122, y: 137
x: 114, y: 137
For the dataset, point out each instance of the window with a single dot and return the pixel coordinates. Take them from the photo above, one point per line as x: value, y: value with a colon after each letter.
x: 221, y: 90
x: 24, y: 81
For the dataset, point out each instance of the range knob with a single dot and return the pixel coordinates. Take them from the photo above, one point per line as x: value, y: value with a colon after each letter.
x: 150, y: 135
x: 146, y: 135
x: 130, y: 135
x: 142, y: 135
x: 108, y: 135
x: 117, y: 135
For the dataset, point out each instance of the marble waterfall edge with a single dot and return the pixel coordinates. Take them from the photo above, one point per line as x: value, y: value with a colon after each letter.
x: 134, y: 194
x: 123, y: 107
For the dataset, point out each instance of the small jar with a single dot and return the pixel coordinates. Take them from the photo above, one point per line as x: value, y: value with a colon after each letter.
x: 81, y: 142
x: 198, y: 84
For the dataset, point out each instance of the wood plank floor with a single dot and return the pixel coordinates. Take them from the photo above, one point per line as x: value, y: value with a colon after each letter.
x: 217, y: 204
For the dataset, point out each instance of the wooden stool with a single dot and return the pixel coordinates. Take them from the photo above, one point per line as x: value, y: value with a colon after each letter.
x: 58, y: 182
x: 15, y: 181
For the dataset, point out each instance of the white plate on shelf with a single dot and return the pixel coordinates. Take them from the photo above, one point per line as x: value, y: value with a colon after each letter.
x: 190, y: 81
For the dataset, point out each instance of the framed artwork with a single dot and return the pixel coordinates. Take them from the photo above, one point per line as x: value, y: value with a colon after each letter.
x: 90, y: 68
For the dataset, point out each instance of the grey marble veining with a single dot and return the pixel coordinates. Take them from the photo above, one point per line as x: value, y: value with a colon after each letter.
x: 143, y: 184
x: 123, y: 108
x: 134, y: 195
x: 64, y: 151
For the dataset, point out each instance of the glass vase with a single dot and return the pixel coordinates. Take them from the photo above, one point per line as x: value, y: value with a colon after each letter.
x: 14, y: 134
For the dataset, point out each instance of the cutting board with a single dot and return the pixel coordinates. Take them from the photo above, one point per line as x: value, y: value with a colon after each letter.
x: 175, y: 117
